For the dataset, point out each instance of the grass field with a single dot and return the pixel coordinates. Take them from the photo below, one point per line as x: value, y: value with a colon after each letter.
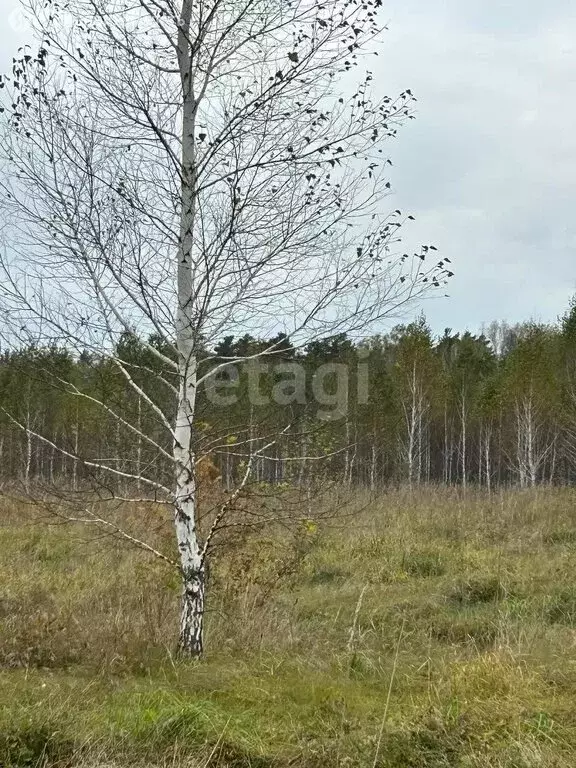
x: 430, y: 630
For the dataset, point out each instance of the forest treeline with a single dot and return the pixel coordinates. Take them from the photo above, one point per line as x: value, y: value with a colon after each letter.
x: 494, y: 408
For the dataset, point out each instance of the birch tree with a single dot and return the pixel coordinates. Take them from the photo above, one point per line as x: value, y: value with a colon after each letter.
x: 182, y: 170
x: 416, y: 371
x: 533, y: 385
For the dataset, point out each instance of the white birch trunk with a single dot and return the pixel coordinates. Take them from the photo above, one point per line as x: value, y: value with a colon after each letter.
x: 191, y: 559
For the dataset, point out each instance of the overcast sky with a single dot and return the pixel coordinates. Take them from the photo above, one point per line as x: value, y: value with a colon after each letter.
x: 489, y: 166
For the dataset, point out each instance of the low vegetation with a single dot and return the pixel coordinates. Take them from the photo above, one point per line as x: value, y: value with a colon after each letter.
x: 438, y: 630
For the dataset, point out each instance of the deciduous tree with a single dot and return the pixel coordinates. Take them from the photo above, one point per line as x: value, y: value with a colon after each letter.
x: 181, y: 171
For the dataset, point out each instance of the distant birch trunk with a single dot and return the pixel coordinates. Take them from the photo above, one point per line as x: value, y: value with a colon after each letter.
x: 553, y: 459
x: 533, y: 440
x: 487, y: 460
x: 464, y: 423
x: 411, y: 417
x: 302, y: 462
x: 373, y: 459
x: 28, y: 454
x: 139, y: 444
x: 353, y: 457
x: 520, y: 447
x: 52, y: 458
x: 76, y: 433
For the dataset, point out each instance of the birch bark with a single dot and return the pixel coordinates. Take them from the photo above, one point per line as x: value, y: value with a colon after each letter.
x: 191, y: 560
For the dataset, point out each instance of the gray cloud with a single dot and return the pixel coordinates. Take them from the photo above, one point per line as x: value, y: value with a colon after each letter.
x: 489, y: 166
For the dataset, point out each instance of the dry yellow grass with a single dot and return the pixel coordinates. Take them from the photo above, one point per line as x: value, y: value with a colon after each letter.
x: 462, y: 651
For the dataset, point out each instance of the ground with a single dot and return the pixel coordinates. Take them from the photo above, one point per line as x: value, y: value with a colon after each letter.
x: 414, y: 630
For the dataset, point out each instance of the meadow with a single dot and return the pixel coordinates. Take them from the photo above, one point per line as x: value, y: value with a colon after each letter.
x: 427, y: 630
